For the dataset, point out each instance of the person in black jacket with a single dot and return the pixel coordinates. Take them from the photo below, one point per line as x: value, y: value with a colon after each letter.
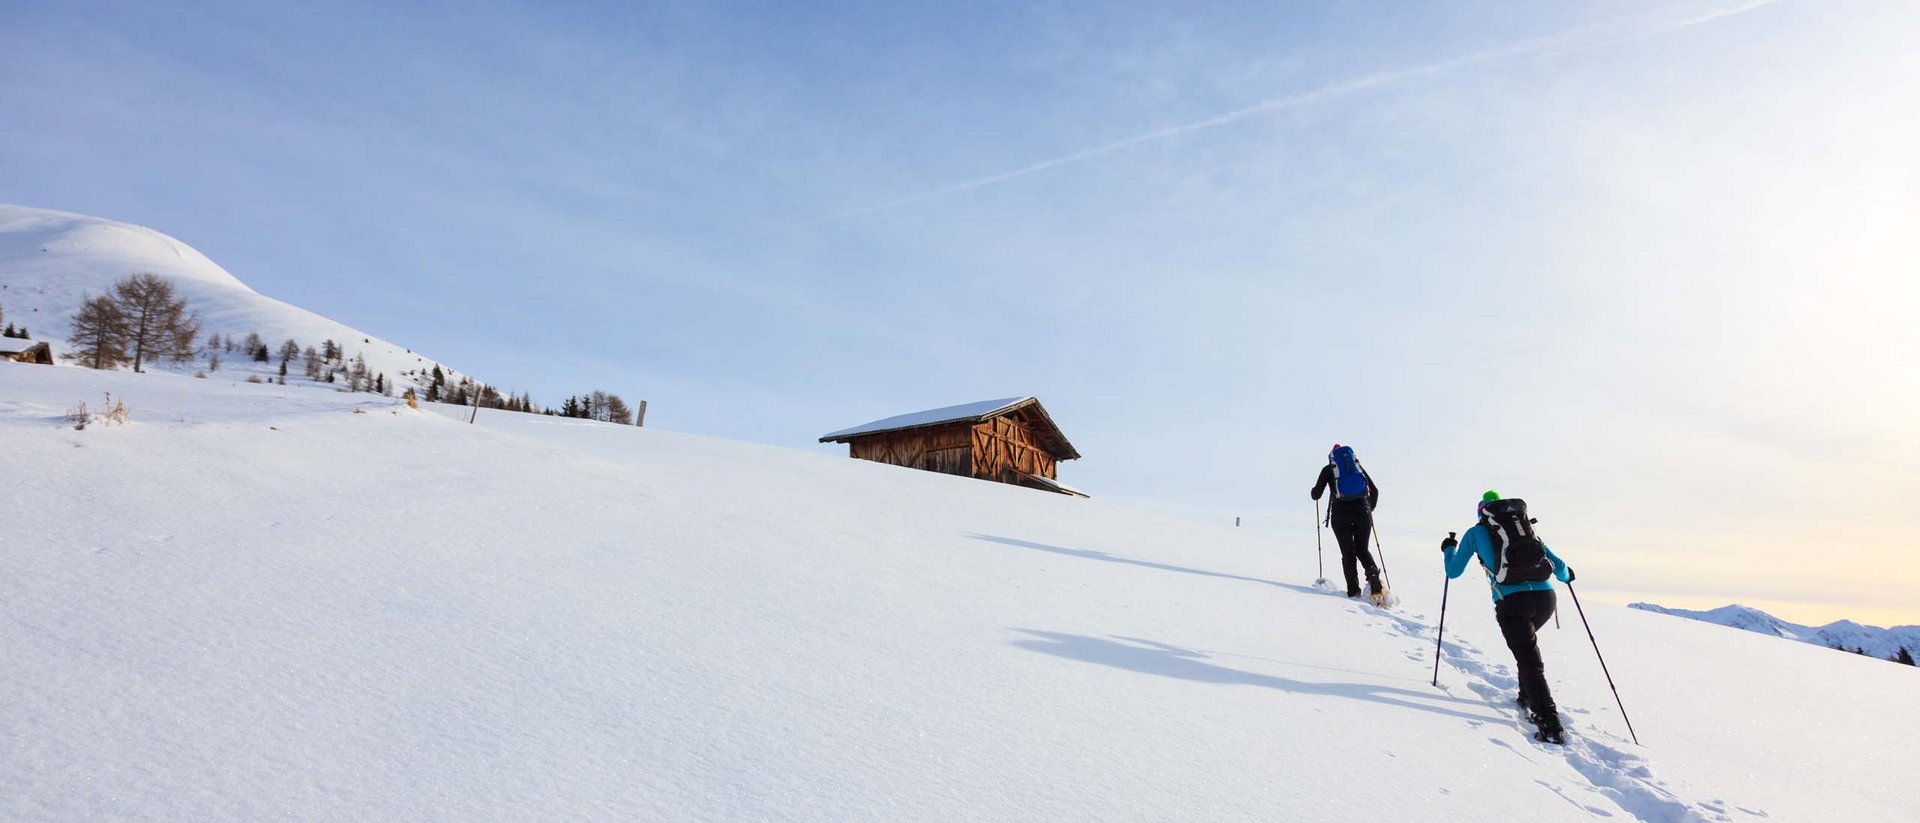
x: 1352, y: 522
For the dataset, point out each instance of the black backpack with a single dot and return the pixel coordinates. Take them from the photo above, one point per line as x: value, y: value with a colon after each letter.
x: 1517, y: 547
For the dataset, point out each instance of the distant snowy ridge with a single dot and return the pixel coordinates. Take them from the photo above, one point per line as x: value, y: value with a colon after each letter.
x: 51, y: 261
x: 1846, y: 634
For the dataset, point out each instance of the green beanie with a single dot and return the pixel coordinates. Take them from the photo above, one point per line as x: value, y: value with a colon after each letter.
x: 1490, y: 496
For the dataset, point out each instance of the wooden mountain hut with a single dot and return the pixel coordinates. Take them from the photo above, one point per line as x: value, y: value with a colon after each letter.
x: 1011, y: 440
x: 21, y: 350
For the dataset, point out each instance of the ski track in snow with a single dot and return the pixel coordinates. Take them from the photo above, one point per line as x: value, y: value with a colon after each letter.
x: 1604, y: 761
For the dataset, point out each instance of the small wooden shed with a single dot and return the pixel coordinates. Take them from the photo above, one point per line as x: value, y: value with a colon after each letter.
x: 21, y: 350
x: 1011, y: 440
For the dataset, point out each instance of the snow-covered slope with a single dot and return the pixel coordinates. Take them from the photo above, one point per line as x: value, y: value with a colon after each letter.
x: 1845, y: 634
x: 50, y: 261
x: 252, y: 603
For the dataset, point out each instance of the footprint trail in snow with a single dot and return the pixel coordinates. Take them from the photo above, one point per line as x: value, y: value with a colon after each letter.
x: 1609, y: 765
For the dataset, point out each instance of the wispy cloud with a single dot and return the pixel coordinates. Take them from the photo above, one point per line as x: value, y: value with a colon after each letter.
x: 1582, y: 39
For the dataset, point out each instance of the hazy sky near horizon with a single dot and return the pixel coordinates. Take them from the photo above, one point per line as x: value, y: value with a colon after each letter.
x: 1651, y: 265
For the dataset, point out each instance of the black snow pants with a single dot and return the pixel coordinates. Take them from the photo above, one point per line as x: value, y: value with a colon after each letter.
x: 1520, y: 615
x: 1352, y: 525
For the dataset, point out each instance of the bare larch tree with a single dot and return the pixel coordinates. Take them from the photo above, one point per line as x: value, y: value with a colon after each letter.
x: 99, y: 336
x: 157, y: 322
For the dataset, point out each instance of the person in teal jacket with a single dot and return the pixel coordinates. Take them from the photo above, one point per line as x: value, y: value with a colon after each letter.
x: 1520, y: 608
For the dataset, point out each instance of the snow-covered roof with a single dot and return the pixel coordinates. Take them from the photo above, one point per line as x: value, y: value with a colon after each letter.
x: 16, y: 345
x: 970, y: 412
x: 964, y: 413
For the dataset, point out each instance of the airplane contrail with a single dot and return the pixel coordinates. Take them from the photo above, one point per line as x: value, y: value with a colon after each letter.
x: 1582, y: 39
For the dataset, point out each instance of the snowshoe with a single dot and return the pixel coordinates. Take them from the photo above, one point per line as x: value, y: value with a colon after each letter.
x: 1548, y: 727
x: 1381, y: 596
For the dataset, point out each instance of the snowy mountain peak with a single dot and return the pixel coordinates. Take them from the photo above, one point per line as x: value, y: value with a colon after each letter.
x: 1845, y: 634
x: 52, y: 261
x: 80, y: 242
x: 1748, y: 618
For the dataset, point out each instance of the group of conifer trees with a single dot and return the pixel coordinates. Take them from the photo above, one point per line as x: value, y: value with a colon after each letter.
x: 327, y: 364
x: 596, y: 405
x: 1902, y: 656
x: 10, y: 331
x: 468, y: 392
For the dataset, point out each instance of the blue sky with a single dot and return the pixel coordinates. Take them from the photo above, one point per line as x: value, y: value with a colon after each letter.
x: 1649, y: 265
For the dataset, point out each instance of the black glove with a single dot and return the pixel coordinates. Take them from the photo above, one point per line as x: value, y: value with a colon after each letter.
x: 1315, y: 493
x: 1569, y: 574
x: 1449, y: 544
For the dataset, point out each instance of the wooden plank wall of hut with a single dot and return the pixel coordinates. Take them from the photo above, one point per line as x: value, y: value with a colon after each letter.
x: 1003, y: 444
x: 947, y: 450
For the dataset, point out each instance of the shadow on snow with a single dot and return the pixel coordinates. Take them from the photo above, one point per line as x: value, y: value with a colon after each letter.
x: 1149, y: 657
x: 1104, y: 557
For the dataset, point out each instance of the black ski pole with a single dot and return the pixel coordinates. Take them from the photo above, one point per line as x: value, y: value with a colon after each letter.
x: 1320, y: 553
x: 1382, y: 551
x: 1445, y: 583
x: 1603, y: 664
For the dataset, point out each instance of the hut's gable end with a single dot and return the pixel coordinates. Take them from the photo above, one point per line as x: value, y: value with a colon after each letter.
x: 1004, y: 448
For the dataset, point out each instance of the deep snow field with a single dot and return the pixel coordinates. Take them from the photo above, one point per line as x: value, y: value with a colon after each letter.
x: 252, y: 603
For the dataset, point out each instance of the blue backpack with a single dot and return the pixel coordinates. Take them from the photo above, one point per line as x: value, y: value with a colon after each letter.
x: 1349, y: 480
